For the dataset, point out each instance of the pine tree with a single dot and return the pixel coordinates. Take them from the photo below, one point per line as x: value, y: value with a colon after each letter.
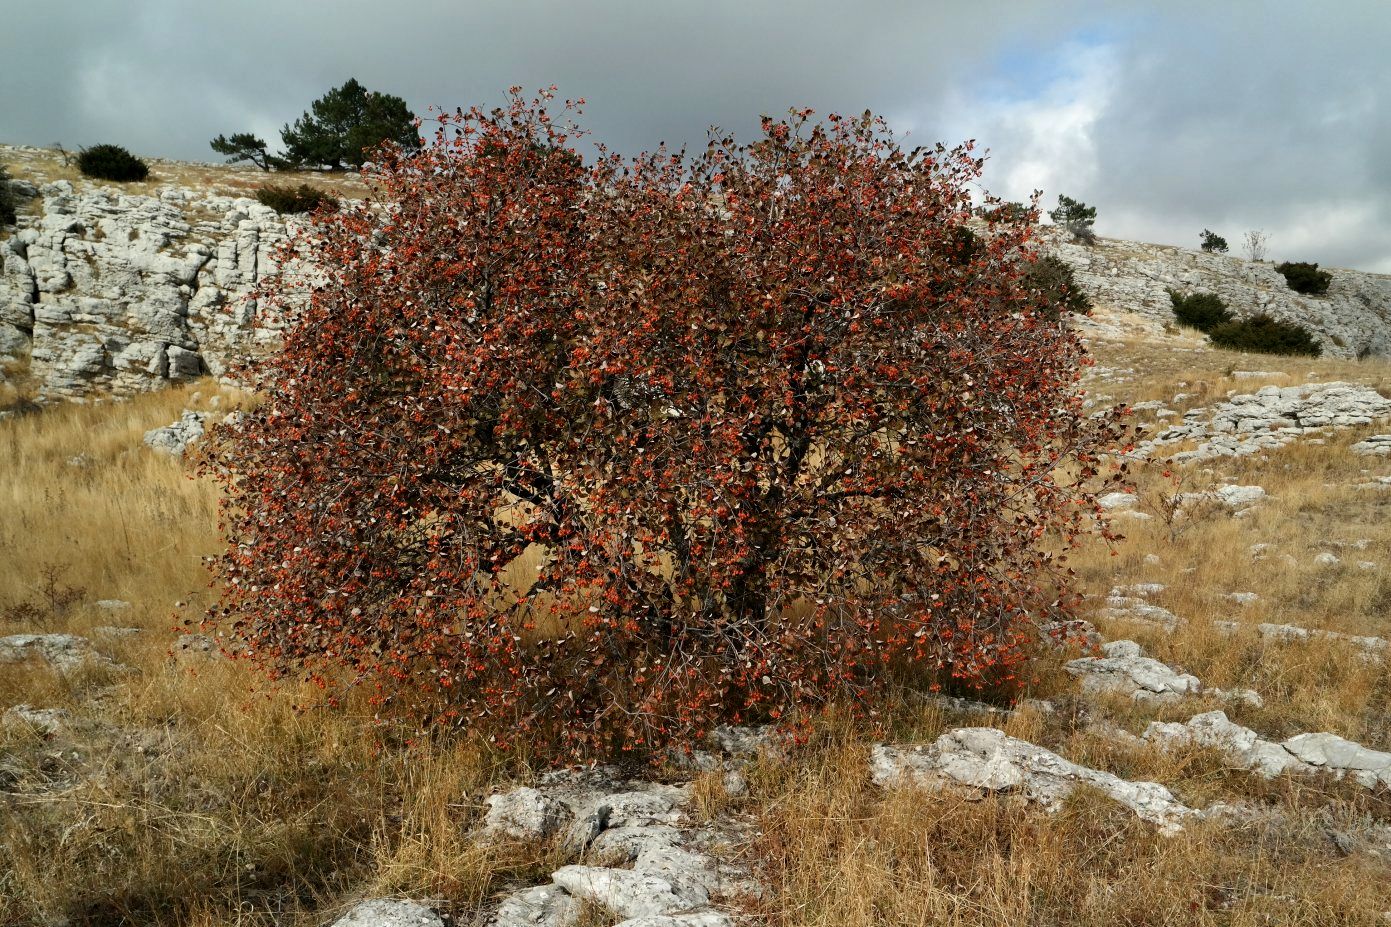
x: 243, y: 146
x: 345, y: 124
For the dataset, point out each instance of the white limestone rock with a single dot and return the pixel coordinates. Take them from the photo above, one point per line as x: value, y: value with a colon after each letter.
x: 174, y: 439
x: 1124, y: 669
x: 538, y: 906
x: 695, y: 919
x: 43, y: 721
x: 525, y: 814
x: 1114, y: 501
x: 628, y: 893
x: 1344, y: 756
x: 388, y: 912
x: 64, y: 652
x: 1372, y: 647
x: 1375, y: 446
x: 1242, y: 745
x: 988, y: 759
x: 1130, y: 608
x: 1303, y: 753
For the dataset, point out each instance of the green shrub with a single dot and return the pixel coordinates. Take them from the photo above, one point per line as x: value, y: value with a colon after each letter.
x: 1203, y: 311
x: 1262, y: 334
x: 1211, y: 241
x: 7, y: 213
x: 1305, y: 278
x: 1053, y: 278
x: 304, y: 198
x: 111, y: 162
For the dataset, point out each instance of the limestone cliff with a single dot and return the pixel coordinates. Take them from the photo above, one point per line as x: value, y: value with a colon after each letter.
x: 113, y: 293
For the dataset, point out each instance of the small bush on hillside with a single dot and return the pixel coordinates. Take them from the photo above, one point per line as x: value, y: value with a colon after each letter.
x: 1203, y: 311
x: 7, y: 209
x: 1305, y: 278
x: 1262, y: 334
x: 111, y: 162
x: 1052, y: 279
x: 1011, y: 211
x: 286, y: 199
x: 1211, y: 242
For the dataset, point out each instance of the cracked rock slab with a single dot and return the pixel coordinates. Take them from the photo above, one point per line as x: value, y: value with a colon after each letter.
x: 388, y: 912
x: 525, y: 814
x: 990, y: 760
x: 627, y: 892
x: 175, y: 439
x: 1124, y: 669
x: 64, y: 652
x: 539, y: 906
x: 1303, y: 753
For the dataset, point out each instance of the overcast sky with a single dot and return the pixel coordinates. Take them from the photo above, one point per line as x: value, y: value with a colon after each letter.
x: 1169, y: 116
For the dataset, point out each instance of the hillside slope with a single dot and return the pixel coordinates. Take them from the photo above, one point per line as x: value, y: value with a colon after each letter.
x: 110, y: 289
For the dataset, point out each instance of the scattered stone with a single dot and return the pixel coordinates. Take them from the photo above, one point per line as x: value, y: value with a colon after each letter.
x: 196, y: 647
x: 111, y: 605
x: 698, y: 919
x: 1325, y: 559
x: 1248, y: 697
x: 1124, y: 669
x: 111, y: 632
x: 1142, y: 590
x: 525, y: 814
x: 1128, y: 608
x: 1304, y: 753
x: 623, y: 824
x: 174, y: 439
x: 1243, y: 598
x: 1072, y: 632
x: 45, y: 721
x: 388, y: 912
x: 64, y: 652
x: 1288, y: 633
x: 1329, y: 751
x: 1113, y: 501
x: 988, y: 759
x: 1375, y: 446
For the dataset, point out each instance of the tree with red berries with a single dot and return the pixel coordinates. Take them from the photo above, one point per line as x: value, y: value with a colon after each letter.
x: 598, y: 456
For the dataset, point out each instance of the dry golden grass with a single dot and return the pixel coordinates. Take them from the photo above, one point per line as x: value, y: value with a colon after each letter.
x: 194, y: 793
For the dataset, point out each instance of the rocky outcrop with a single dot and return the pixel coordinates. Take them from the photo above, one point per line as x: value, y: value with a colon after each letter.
x: 1123, y: 668
x: 112, y: 293
x: 175, y: 438
x: 64, y: 652
x: 1352, y: 320
x: 1303, y: 753
x: 990, y: 760
x: 1272, y: 417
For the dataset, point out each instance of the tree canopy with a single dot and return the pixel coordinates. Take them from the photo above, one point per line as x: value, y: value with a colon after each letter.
x: 343, y: 126
x: 596, y: 457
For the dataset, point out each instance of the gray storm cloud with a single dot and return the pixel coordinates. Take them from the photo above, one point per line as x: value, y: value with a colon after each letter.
x: 1168, y: 116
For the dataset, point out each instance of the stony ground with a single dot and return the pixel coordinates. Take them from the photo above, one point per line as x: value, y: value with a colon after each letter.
x: 1213, y: 747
